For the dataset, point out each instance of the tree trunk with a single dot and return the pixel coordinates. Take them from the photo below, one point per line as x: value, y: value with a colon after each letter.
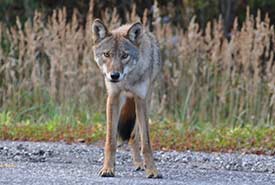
x: 228, y: 10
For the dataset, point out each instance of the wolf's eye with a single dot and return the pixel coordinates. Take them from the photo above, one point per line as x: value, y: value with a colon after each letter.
x: 106, y: 54
x: 124, y: 56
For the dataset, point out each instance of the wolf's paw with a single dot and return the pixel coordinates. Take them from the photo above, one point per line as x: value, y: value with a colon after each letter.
x: 107, y: 172
x: 153, y: 173
x: 139, y: 166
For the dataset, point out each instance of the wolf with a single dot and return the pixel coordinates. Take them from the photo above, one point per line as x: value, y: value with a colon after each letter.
x: 129, y: 59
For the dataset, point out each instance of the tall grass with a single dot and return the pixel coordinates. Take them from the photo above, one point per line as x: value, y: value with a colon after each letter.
x: 47, y: 66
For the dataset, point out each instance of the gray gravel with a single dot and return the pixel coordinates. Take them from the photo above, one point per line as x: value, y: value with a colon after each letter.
x: 60, y: 163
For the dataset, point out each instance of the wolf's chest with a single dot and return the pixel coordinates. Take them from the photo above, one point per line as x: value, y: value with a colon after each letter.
x: 139, y: 89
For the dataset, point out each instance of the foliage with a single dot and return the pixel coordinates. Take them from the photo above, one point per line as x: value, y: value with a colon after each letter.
x: 177, y: 12
x: 48, y: 78
x: 57, y: 128
x: 206, y: 77
x: 174, y: 135
x: 247, y: 139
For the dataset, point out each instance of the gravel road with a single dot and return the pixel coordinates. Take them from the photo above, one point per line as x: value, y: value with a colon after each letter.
x: 59, y: 163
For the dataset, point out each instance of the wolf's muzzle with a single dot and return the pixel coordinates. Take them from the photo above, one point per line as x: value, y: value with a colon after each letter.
x: 115, y: 76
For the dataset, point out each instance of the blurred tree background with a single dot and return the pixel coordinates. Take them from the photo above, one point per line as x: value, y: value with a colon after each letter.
x: 177, y: 12
x: 49, y: 83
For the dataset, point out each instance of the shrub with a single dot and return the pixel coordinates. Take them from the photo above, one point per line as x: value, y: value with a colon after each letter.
x: 206, y: 77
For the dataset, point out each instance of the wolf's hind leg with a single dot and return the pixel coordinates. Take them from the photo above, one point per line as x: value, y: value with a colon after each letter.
x: 135, y: 149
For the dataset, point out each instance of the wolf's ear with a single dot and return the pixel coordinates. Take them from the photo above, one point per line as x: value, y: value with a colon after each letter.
x: 135, y: 32
x: 99, y: 30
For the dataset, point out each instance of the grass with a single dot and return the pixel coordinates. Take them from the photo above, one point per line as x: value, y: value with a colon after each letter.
x: 217, y: 94
x: 247, y: 139
x: 166, y: 135
x: 206, y: 77
x: 57, y: 128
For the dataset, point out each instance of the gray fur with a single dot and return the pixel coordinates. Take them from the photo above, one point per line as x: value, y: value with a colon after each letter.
x: 132, y: 54
x: 143, y: 65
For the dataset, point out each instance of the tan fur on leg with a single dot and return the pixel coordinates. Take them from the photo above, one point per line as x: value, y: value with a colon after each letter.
x: 108, y: 169
x: 135, y: 149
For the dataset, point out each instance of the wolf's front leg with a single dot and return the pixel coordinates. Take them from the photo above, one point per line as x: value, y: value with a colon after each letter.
x: 141, y: 110
x: 112, y: 111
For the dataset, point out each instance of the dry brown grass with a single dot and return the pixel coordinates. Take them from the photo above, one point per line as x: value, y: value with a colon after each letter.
x: 207, y: 78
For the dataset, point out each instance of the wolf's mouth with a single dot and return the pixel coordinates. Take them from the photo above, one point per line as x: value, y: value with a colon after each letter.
x: 114, y: 81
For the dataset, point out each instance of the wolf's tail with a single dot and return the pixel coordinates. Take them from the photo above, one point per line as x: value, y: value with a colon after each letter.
x: 127, y: 119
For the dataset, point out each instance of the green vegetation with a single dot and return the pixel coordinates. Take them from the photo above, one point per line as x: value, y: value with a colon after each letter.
x: 205, y: 137
x: 177, y: 12
x: 215, y: 93
x: 57, y: 127
x: 166, y: 134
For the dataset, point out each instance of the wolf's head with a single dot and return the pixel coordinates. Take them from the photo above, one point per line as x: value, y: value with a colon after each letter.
x: 116, y: 52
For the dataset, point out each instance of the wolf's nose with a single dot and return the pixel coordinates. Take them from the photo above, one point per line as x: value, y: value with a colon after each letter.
x: 115, y: 75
